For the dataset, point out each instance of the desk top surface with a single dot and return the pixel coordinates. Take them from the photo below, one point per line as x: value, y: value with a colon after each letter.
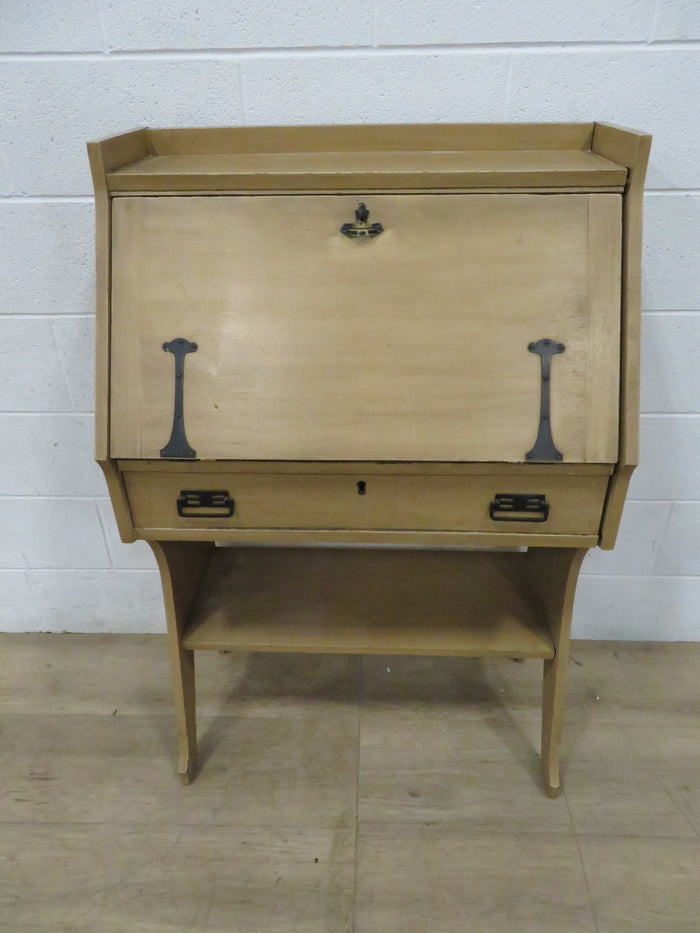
x: 404, y: 157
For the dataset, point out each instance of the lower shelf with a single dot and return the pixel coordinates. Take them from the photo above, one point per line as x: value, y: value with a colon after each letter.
x: 369, y: 601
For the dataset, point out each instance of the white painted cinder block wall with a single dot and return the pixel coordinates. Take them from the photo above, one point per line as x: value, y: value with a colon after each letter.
x: 73, y: 70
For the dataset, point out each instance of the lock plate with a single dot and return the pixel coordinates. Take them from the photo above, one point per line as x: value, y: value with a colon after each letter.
x: 361, y: 227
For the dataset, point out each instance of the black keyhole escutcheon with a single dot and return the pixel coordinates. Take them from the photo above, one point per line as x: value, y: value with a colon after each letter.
x: 361, y: 488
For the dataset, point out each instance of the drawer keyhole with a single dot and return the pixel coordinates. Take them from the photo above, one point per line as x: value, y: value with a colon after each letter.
x: 361, y: 488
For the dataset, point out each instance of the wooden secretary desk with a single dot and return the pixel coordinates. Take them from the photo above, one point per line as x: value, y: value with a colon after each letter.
x: 404, y: 358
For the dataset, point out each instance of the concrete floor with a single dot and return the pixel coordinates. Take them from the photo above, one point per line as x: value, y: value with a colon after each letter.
x: 339, y: 793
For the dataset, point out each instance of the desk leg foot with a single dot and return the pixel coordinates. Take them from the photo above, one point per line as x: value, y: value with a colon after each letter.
x: 186, y: 772
x: 554, y: 572
x: 182, y: 568
x: 182, y: 667
x: 553, y: 689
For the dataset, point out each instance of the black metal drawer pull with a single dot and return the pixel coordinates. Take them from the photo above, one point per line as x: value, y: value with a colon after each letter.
x: 217, y: 501
x: 519, y: 507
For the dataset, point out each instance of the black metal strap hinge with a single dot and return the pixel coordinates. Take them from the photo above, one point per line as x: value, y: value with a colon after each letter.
x: 544, y: 448
x: 177, y: 447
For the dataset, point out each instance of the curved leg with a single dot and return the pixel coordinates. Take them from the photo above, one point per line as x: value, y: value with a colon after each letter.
x: 555, y: 573
x: 182, y: 667
x: 553, y: 697
x: 182, y: 565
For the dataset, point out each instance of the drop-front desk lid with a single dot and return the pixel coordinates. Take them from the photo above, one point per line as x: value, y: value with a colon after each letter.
x: 413, y: 344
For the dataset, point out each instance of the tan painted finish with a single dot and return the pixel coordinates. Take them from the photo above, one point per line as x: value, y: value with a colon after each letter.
x: 105, y: 157
x: 554, y: 575
x: 370, y: 170
x: 359, y: 601
x: 399, y: 137
x: 345, y: 189
x: 314, y: 347
x: 114, y: 479
x: 631, y: 149
x: 362, y: 537
x: 182, y: 568
x: 614, y: 504
x: 384, y: 602
x: 399, y: 362
x: 389, y: 502
x: 603, y: 375
x: 340, y: 467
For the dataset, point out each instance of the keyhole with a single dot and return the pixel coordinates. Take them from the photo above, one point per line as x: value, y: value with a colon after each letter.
x: 361, y: 488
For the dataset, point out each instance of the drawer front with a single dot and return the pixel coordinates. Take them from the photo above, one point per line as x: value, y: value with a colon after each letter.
x: 481, y: 503
x: 414, y: 345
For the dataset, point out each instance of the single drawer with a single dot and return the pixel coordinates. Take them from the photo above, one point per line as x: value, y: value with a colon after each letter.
x: 551, y: 504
